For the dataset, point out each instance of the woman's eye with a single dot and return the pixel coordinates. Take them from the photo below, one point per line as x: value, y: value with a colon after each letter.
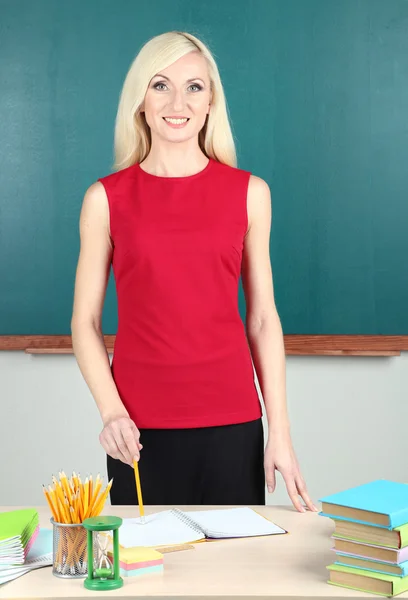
x: 192, y: 85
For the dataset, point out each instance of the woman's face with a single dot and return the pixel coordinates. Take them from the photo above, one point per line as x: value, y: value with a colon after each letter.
x: 182, y: 90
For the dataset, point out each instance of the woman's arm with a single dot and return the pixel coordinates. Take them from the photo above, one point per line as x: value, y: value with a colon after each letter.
x: 120, y: 435
x: 265, y: 338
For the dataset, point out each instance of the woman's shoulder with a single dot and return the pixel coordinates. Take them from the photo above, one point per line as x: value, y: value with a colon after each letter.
x: 117, y: 177
x: 233, y: 173
x: 256, y: 185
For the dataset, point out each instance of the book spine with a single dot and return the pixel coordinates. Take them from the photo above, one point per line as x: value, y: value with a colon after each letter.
x: 349, y: 520
x: 399, y: 518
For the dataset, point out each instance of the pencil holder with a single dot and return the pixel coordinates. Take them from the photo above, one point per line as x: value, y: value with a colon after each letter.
x: 69, y: 550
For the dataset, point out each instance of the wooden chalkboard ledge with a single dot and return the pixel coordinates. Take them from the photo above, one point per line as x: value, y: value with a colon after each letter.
x: 301, y: 345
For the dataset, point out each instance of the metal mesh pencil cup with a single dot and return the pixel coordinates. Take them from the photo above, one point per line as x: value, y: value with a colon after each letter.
x: 69, y: 550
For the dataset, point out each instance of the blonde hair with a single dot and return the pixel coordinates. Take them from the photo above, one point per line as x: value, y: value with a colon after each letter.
x: 132, y: 140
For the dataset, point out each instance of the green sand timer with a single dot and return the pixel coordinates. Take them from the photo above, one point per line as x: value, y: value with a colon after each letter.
x: 102, y: 574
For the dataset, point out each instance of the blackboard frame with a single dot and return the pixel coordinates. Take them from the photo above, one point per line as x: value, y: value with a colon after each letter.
x: 300, y: 345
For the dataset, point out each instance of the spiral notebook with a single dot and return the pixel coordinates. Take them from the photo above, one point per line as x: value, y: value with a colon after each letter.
x: 174, y: 527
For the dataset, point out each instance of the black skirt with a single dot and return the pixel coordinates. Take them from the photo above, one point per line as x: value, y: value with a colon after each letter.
x: 206, y: 465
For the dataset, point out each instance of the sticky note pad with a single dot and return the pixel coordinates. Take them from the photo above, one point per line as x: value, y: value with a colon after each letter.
x: 139, y: 560
x: 144, y: 571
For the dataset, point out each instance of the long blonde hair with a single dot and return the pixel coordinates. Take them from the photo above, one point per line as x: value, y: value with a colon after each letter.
x: 132, y: 140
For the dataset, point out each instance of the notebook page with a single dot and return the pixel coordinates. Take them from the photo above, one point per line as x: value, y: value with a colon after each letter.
x: 160, y: 529
x: 233, y: 522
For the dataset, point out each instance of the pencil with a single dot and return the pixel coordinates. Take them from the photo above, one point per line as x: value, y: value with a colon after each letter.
x: 101, y: 500
x: 65, y: 486
x: 95, y: 492
x: 72, y: 501
x: 54, y: 500
x: 50, y: 504
x: 139, y: 490
x: 86, y: 495
x: 97, y: 487
x: 90, y: 491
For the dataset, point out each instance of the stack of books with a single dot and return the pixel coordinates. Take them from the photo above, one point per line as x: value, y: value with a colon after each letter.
x: 370, y: 537
x: 18, y: 531
x: 23, y: 545
x: 39, y: 555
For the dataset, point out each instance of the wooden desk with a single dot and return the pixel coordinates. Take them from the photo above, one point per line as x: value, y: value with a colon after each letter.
x: 283, y: 567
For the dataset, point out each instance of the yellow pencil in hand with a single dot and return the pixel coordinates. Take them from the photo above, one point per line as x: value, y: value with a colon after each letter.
x: 139, y: 490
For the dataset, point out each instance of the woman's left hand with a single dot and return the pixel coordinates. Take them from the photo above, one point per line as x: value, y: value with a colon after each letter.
x: 280, y: 455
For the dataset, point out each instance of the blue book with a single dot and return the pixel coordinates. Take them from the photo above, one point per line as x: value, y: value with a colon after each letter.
x: 369, y: 564
x: 380, y: 503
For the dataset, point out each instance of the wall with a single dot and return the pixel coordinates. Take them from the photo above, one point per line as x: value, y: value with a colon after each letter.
x: 348, y: 419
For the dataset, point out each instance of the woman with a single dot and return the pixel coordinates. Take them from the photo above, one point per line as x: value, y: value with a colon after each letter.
x: 180, y: 222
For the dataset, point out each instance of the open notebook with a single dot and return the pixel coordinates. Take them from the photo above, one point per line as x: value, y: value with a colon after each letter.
x: 173, y: 527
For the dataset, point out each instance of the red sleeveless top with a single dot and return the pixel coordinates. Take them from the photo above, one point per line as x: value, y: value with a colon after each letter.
x: 181, y: 357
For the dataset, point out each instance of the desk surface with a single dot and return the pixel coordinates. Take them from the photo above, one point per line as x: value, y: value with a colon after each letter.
x: 279, y: 567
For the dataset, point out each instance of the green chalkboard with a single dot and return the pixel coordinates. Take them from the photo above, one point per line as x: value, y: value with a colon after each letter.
x: 318, y: 95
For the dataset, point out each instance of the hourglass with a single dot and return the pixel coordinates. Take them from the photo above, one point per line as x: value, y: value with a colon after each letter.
x: 102, y: 573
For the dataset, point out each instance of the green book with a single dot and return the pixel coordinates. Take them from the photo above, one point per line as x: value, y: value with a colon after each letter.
x: 17, y: 526
x: 367, y: 581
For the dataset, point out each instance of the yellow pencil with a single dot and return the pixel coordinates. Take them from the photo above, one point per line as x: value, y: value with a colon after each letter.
x: 60, y: 495
x: 50, y: 504
x: 67, y: 510
x: 75, y: 480
x: 71, y: 501
x: 139, y: 490
x: 61, y: 509
x: 93, y: 501
x: 80, y: 507
x: 86, y: 495
x: 97, y: 487
x: 65, y: 486
x: 81, y: 488
x: 76, y: 507
x: 54, y: 499
x: 98, y: 507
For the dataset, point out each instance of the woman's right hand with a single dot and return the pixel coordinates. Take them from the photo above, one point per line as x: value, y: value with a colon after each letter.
x: 120, y: 439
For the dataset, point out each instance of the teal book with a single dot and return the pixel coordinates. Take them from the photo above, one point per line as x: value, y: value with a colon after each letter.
x: 380, y: 503
x: 369, y: 564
